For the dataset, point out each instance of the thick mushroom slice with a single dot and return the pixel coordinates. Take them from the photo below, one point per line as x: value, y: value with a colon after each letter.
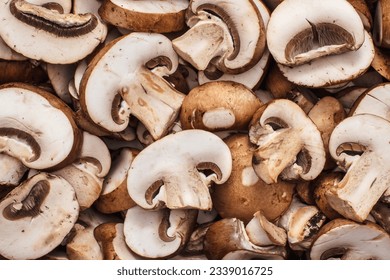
x: 237, y: 27
x: 145, y: 16
x: 364, y: 156
x: 46, y: 139
x: 180, y: 168
x: 228, y: 239
x: 347, y: 240
x: 40, y: 33
x: 125, y: 78
x: 220, y: 105
x: 302, y: 30
x: 289, y: 143
x: 158, y: 234
x: 36, y: 216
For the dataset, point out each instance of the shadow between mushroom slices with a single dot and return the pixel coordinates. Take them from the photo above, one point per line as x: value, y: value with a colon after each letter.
x: 35, y: 139
x: 180, y: 169
x: 36, y: 216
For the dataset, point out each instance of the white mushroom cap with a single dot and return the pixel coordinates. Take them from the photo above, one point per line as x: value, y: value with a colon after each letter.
x: 302, y: 30
x: 45, y: 139
x: 174, y: 166
x: 43, y: 34
x: 36, y: 216
x: 347, y: 240
x: 158, y: 234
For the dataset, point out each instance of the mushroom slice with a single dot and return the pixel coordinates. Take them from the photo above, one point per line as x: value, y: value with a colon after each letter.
x: 46, y: 139
x: 111, y: 238
x: 302, y: 222
x: 114, y: 196
x: 347, y: 240
x: 220, y: 105
x: 381, y: 30
x: 190, y: 161
x: 121, y: 80
x: 158, y: 234
x: 364, y: 157
x: 36, y: 216
x: 242, y: 25
x: 228, y: 239
x: 11, y: 170
x: 333, y: 69
x: 289, y: 143
x: 145, y: 16
x: 300, y: 31
x: 44, y: 34
x: 244, y: 193
x: 60, y: 75
x: 375, y: 101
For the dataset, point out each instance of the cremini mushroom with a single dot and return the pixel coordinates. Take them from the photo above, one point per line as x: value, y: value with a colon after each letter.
x: 348, y: 240
x: 364, y: 158
x: 219, y: 105
x: 190, y: 161
x: 120, y: 81
x: 49, y: 138
x: 244, y: 193
x: 40, y: 33
x: 238, y: 29
x: 158, y: 234
x: 36, y: 216
x: 289, y: 143
x: 145, y: 16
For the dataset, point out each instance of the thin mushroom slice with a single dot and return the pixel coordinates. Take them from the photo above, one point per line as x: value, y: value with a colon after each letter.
x: 289, y: 143
x: 46, y: 139
x: 145, y: 16
x: 243, y: 25
x: 228, y: 239
x: 300, y: 31
x: 125, y: 78
x: 158, y: 234
x: 348, y: 240
x: 364, y: 158
x: 36, y: 216
x: 40, y: 33
x: 190, y: 160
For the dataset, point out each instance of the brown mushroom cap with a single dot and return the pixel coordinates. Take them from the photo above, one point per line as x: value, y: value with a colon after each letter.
x: 219, y: 105
x: 244, y: 193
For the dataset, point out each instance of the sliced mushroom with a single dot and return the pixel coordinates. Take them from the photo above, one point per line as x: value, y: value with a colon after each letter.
x: 158, y: 234
x: 112, y: 240
x: 11, y: 170
x: 145, y: 16
x: 190, y: 161
x: 289, y: 143
x: 121, y: 81
x: 244, y: 193
x: 364, y: 12
x: 348, y: 240
x: 238, y: 30
x: 114, y: 196
x: 300, y: 31
x: 60, y: 76
x: 44, y: 34
x: 381, y: 30
x: 46, y: 139
x: 36, y: 216
x: 364, y: 157
x: 227, y: 239
x: 220, y: 105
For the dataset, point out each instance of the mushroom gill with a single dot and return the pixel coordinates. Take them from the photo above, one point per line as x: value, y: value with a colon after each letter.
x: 30, y: 206
x: 317, y: 36
x: 350, y: 148
x: 152, y: 191
x: 209, y: 168
x: 164, y: 226
x: 62, y: 25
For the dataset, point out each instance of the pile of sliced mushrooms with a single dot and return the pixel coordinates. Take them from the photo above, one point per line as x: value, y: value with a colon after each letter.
x: 202, y: 129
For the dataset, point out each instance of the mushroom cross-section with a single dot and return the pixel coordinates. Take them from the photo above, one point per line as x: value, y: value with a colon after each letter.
x: 229, y: 34
x: 47, y: 138
x: 44, y: 34
x: 36, y: 216
x: 126, y: 77
x: 179, y: 169
x: 364, y: 156
x: 289, y: 143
